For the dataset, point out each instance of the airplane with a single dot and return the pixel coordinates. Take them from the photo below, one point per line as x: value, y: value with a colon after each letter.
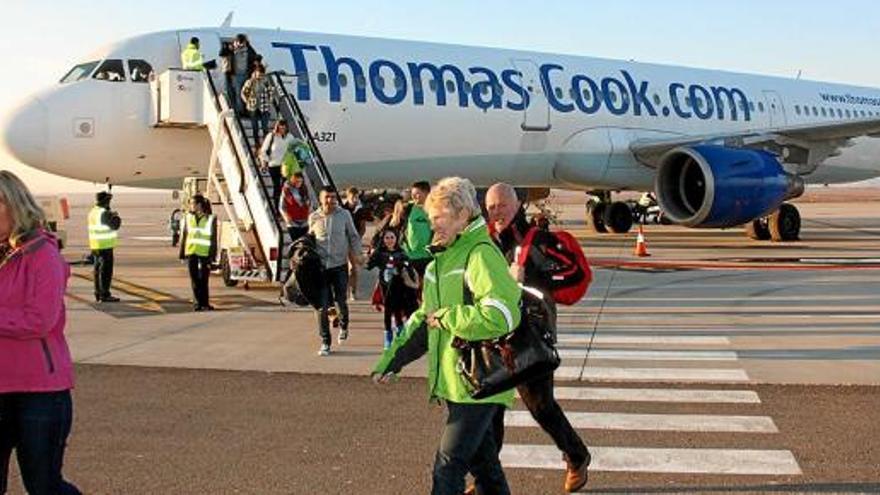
x: 719, y: 149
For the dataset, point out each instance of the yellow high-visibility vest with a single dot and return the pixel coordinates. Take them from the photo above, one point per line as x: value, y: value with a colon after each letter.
x: 101, y: 236
x: 191, y: 58
x: 198, y: 235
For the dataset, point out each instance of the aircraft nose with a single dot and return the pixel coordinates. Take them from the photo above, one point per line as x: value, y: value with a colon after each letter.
x: 25, y: 133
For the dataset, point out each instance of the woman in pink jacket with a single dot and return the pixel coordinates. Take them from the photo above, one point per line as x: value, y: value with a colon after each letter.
x: 36, y: 373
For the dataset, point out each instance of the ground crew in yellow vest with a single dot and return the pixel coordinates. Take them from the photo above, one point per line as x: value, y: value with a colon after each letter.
x: 198, y: 245
x: 191, y: 57
x: 103, y: 226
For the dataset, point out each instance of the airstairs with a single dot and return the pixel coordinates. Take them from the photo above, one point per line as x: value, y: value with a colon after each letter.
x: 254, y: 240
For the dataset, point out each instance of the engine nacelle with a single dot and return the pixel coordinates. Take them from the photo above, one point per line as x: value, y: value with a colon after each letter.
x: 709, y: 186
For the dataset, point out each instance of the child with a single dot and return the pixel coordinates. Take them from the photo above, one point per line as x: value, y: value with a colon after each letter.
x: 398, y: 284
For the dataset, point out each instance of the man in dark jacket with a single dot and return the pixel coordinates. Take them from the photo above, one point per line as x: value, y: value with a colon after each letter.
x: 507, y: 220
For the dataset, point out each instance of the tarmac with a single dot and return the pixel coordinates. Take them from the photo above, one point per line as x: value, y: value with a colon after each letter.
x: 717, y: 364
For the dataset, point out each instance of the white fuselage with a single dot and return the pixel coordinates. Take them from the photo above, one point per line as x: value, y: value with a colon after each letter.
x: 386, y: 113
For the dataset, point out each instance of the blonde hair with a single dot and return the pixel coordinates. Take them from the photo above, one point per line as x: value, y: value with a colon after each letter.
x: 27, y: 216
x: 397, y: 213
x: 456, y: 194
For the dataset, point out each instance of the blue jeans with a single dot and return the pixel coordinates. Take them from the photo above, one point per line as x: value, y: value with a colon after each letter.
x: 468, y: 445
x: 238, y: 81
x: 36, y: 425
x: 333, y: 290
x: 259, y: 119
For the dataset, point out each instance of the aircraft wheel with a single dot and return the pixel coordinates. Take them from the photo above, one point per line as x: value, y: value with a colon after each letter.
x: 596, y: 217
x: 618, y: 217
x: 785, y: 223
x: 758, y: 230
x: 226, y: 271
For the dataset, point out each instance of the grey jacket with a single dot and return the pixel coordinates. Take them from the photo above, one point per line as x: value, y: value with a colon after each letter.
x: 336, y: 236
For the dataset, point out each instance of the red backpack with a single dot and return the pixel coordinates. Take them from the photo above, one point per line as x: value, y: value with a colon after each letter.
x: 570, y: 273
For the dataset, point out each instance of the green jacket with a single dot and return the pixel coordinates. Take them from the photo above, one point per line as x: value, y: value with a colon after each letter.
x: 495, y: 312
x: 418, y: 234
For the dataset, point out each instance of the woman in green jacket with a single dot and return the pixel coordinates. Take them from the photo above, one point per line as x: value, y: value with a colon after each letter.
x: 463, y: 254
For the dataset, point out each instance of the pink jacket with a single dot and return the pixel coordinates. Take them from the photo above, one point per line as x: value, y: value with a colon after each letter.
x: 34, y: 356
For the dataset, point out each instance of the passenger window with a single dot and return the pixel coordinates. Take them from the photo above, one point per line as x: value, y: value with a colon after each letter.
x: 468, y: 87
x: 761, y: 106
x: 399, y: 83
x: 840, y: 113
x: 587, y: 95
x: 111, y: 70
x: 379, y: 82
x: 322, y: 79
x: 824, y: 113
x: 433, y: 85
x: 558, y: 92
x: 450, y: 86
x: 797, y: 109
x: 751, y: 106
x: 815, y: 112
x: 656, y: 99
x: 139, y: 71
x: 343, y: 81
x: 79, y: 72
x: 360, y: 82
x: 847, y: 114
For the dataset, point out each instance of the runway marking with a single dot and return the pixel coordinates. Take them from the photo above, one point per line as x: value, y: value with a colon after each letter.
x: 585, y: 338
x: 702, y: 423
x: 657, y: 395
x: 653, y: 374
x: 657, y: 460
x: 639, y: 355
x: 150, y: 238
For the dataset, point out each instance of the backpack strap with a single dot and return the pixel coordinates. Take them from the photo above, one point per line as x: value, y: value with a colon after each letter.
x: 526, y: 246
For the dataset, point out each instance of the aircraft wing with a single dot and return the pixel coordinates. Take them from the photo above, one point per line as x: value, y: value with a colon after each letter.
x: 805, y: 146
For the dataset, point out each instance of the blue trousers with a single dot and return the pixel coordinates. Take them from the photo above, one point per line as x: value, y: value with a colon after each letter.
x: 36, y: 426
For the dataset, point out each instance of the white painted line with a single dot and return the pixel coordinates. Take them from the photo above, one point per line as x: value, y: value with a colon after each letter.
x: 640, y: 355
x: 648, y: 460
x: 653, y: 374
x: 701, y: 423
x: 584, y: 338
x: 657, y: 395
x: 150, y: 238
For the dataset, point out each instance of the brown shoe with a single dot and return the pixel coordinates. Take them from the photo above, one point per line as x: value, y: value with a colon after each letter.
x: 471, y: 490
x: 575, y: 476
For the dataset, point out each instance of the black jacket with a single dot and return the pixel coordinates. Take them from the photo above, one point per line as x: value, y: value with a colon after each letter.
x: 514, y: 235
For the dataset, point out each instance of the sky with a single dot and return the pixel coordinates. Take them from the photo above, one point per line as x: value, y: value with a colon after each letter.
x: 828, y: 41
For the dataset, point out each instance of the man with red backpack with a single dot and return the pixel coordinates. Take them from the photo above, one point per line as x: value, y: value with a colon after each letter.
x: 553, y: 263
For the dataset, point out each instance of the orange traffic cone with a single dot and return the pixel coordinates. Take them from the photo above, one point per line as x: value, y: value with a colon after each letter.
x: 641, y: 249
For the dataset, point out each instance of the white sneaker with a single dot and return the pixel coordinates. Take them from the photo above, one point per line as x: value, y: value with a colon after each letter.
x: 343, y: 335
x: 325, y: 350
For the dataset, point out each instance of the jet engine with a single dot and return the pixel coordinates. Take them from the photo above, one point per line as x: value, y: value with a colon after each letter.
x: 710, y: 186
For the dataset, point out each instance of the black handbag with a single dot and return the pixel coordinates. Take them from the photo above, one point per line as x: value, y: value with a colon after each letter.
x: 489, y: 367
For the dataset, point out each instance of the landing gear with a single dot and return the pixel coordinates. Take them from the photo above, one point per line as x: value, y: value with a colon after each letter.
x: 596, y: 217
x: 757, y: 229
x: 618, y: 217
x: 604, y: 216
x: 783, y: 225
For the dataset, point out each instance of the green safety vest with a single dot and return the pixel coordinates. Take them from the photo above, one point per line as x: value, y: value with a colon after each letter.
x: 191, y: 58
x: 198, y: 235
x: 101, y: 236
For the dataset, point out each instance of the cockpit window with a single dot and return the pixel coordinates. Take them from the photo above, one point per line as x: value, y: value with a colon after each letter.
x: 139, y: 70
x: 111, y: 70
x: 79, y: 72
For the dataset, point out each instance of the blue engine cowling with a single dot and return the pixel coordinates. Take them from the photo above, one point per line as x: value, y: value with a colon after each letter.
x: 709, y: 186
